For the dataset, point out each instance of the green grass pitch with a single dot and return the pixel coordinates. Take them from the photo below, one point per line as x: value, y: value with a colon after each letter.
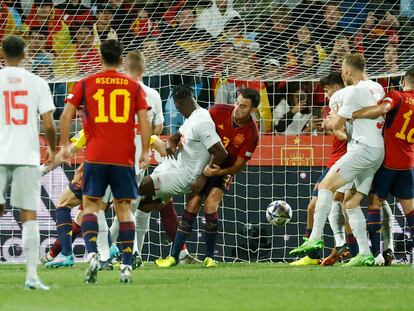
x: 230, y: 286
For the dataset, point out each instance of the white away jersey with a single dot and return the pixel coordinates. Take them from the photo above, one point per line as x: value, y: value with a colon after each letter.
x: 198, y: 135
x: 335, y: 103
x: 23, y: 96
x: 364, y: 94
x: 155, y: 115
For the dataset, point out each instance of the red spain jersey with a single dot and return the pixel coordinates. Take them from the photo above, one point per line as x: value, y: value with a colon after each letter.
x: 399, y: 131
x: 337, y: 151
x: 110, y: 101
x: 240, y: 142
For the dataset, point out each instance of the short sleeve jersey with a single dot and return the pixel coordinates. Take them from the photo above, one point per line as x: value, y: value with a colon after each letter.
x: 399, y: 131
x: 198, y: 134
x: 110, y: 101
x: 365, y: 94
x: 23, y: 96
x: 239, y: 141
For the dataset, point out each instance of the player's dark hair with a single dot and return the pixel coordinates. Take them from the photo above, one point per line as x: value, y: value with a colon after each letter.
x: 334, y: 78
x: 355, y: 60
x: 253, y: 95
x: 181, y: 92
x: 111, y: 51
x: 13, y: 47
x: 409, y: 75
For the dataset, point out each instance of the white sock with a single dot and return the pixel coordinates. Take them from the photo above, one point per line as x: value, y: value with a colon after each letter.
x: 142, y: 220
x: 337, y: 222
x: 322, y: 208
x: 102, y: 241
x: 359, y: 229
x: 387, y: 226
x: 31, y: 244
x: 135, y: 247
x: 114, y: 230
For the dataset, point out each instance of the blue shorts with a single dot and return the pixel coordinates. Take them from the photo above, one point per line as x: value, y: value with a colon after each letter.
x: 221, y: 182
x: 121, y: 179
x: 76, y: 191
x: 315, y: 189
x: 398, y: 183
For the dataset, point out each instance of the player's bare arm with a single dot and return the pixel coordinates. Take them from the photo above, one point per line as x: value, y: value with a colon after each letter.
x: 372, y: 112
x: 50, y: 131
x: 232, y: 170
x: 65, y: 123
x: 171, y: 144
x: 145, y: 137
x: 219, y: 154
x: 341, y: 134
x: 159, y: 145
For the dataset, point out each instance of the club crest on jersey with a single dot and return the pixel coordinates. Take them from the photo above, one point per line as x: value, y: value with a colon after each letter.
x: 239, y: 139
x: 221, y: 126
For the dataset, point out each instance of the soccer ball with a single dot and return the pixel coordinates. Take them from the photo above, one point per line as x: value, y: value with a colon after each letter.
x: 279, y: 213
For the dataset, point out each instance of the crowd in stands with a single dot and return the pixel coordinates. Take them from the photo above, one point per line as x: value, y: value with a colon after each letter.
x: 214, y: 46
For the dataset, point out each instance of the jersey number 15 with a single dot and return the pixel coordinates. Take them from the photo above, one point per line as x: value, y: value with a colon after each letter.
x: 12, y: 105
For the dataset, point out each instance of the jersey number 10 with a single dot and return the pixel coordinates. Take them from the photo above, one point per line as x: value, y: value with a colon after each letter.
x: 11, y: 104
x: 102, y: 116
x: 401, y: 133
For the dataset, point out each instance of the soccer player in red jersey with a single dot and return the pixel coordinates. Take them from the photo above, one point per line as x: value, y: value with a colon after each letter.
x: 110, y: 102
x: 396, y: 176
x: 240, y: 136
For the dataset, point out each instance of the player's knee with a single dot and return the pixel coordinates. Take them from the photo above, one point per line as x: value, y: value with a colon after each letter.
x: 339, y: 196
x: 146, y: 188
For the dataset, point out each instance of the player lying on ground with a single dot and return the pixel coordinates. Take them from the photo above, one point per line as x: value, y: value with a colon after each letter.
x: 363, y: 158
x: 335, y: 90
x: 25, y: 96
x: 111, y: 101
x: 239, y: 134
x: 396, y: 175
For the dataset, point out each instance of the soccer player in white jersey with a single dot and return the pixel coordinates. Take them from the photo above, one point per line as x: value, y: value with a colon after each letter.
x: 135, y: 68
x: 24, y: 97
x: 363, y: 158
x: 183, y: 173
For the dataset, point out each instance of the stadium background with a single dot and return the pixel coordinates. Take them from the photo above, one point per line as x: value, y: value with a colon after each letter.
x: 286, y: 164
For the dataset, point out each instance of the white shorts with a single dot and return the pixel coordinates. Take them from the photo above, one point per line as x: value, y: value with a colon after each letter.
x: 359, y: 165
x: 169, y: 180
x: 25, y: 186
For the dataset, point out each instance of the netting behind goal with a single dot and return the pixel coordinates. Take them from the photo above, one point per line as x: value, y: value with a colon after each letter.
x: 280, y: 48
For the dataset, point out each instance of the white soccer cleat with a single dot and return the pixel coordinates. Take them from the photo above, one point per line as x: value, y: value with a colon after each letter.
x: 379, y: 260
x: 91, y: 275
x: 35, y: 284
x: 126, y: 274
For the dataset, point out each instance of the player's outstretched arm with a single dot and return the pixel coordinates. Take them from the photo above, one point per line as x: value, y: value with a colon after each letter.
x: 159, y: 145
x: 50, y: 131
x: 341, y: 134
x: 65, y: 123
x: 372, y: 112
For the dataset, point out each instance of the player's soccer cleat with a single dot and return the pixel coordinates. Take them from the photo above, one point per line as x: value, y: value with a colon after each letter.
x: 307, y: 246
x: 388, y: 257
x: 91, y: 275
x: 46, y: 258
x: 35, y: 284
x: 166, y: 262
x: 61, y: 261
x: 360, y: 261
x: 337, y: 253
x: 379, y: 260
x: 114, y: 251
x: 106, y: 265
x: 126, y: 274
x: 189, y: 259
x: 305, y: 261
x: 209, y: 262
x: 136, y: 261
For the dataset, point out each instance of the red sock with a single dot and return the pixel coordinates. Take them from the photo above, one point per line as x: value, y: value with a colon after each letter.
x: 169, y: 220
x: 55, y: 249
